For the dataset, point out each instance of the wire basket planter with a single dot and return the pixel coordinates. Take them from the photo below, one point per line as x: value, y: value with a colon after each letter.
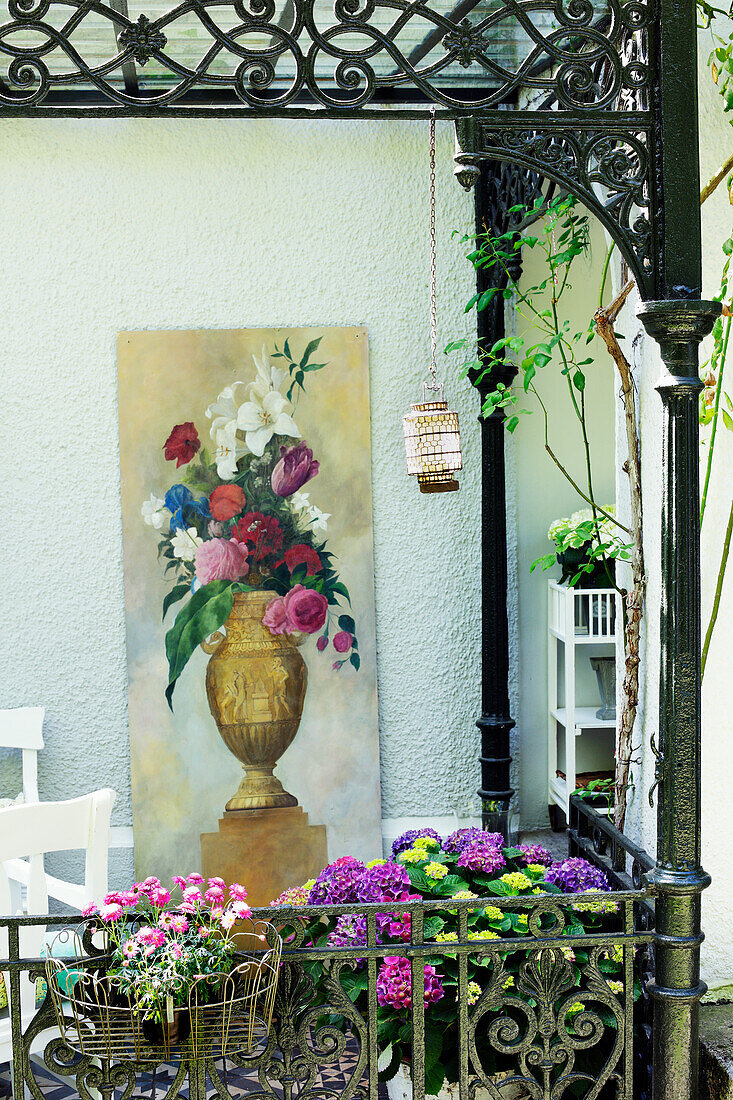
x: 220, y: 1014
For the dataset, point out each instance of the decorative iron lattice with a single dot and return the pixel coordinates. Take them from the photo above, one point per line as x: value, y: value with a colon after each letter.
x: 275, y: 54
x: 547, y: 1013
x: 608, y: 166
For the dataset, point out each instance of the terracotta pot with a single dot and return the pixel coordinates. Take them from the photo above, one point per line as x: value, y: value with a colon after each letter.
x: 256, y: 683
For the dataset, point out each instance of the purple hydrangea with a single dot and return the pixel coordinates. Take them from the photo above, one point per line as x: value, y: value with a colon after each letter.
x: 481, y: 857
x: 385, y: 882
x: 339, y: 883
x: 402, y: 843
x: 350, y: 931
x: 535, y: 853
x: 463, y: 838
x: 394, y: 983
x: 575, y: 875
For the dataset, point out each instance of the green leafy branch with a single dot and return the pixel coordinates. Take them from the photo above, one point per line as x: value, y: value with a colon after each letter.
x: 562, y: 237
x: 299, y: 368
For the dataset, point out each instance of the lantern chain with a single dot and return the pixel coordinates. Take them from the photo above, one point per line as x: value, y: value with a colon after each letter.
x: 433, y: 293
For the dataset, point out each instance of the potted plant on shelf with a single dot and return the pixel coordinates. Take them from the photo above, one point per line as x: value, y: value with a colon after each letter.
x: 573, y: 985
x: 171, y: 969
x: 586, y: 549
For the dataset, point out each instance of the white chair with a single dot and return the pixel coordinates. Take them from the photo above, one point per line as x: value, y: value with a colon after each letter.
x: 27, y: 834
x: 22, y: 729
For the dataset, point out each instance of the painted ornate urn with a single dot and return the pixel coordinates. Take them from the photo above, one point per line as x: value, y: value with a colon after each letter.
x: 255, y: 683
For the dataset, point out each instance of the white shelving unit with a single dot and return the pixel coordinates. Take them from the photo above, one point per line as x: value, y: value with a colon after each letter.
x: 578, y: 619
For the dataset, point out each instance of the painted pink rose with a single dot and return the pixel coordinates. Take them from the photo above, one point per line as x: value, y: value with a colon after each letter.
x: 305, y: 610
x: 342, y: 641
x: 301, y: 611
x: 275, y: 618
x: 221, y: 560
x: 294, y: 468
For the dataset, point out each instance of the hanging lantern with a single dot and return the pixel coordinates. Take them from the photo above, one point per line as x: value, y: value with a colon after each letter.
x: 432, y: 436
x: 433, y: 443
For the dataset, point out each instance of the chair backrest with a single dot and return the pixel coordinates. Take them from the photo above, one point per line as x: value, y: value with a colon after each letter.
x: 22, y: 728
x: 27, y: 834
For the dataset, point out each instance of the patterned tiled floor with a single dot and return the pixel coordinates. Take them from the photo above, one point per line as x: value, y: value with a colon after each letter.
x: 331, y: 1081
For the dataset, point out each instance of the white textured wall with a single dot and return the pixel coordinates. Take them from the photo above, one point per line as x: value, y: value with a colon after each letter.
x: 542, y: 495
x: 126, y: 224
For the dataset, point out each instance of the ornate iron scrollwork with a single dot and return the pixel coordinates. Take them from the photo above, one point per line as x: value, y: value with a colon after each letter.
x: 271, y: 53
x: 609, y: 168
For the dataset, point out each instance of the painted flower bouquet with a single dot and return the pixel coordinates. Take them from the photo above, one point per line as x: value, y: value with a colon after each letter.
x: 586, y: 548
x: 168, y: 956
x: 240, y: 519
x: 470, y: 864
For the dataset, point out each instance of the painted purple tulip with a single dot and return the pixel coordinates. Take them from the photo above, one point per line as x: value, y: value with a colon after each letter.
x: 293, y: 469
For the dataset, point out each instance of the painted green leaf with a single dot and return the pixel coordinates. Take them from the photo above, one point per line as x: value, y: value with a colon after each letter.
x: 176, y: 593
x: 206, y: 611
x: 346, y: 623
x: 310, y: 348
x: 355, y: 660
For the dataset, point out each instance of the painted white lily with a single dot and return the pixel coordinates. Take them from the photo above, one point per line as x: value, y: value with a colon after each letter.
x: 228, y: 451
x: 268, y: 377
x: 223, y: 412
x: 300, y: 501
x: 260, y: 420
x: 153, y: 512
x: 184, y: 543
x: 319, y: 519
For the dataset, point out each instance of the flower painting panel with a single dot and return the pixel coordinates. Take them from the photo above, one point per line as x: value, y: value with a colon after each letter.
x: 249, y: 601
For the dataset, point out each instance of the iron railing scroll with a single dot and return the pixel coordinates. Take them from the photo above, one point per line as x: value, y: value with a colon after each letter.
x: 547, y: 1020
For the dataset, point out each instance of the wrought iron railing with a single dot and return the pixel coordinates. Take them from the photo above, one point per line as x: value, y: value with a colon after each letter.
x: 546, y: 1021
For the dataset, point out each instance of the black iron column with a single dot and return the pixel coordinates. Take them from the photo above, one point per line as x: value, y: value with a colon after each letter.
x: 678, y: 878
x: 495, y: 722
x: 504, y: 195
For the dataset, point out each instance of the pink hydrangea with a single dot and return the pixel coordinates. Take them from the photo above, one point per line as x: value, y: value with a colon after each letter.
x: 221, y: 560
x: 394, y: 983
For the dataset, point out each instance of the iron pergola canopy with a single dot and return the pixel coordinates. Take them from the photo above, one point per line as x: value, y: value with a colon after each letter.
x: 600, y: 98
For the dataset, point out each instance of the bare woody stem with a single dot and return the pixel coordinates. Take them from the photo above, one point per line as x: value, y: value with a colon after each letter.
x: 717, y: 179
x: 718, y: 591
x: 604, y: 320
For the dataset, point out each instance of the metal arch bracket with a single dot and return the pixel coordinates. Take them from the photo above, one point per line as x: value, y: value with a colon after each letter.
x: 605, y: 162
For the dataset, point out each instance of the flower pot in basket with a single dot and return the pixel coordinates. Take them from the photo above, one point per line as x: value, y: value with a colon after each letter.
x: 256, y: 683
x: 168, y: 1033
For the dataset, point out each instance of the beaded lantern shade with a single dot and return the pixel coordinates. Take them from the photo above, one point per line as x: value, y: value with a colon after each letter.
x: 432, y: 436
x: 433, y: 443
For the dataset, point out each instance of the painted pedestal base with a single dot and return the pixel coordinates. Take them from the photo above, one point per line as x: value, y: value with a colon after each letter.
x: 266, y: 850
x: 400, y: 1088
